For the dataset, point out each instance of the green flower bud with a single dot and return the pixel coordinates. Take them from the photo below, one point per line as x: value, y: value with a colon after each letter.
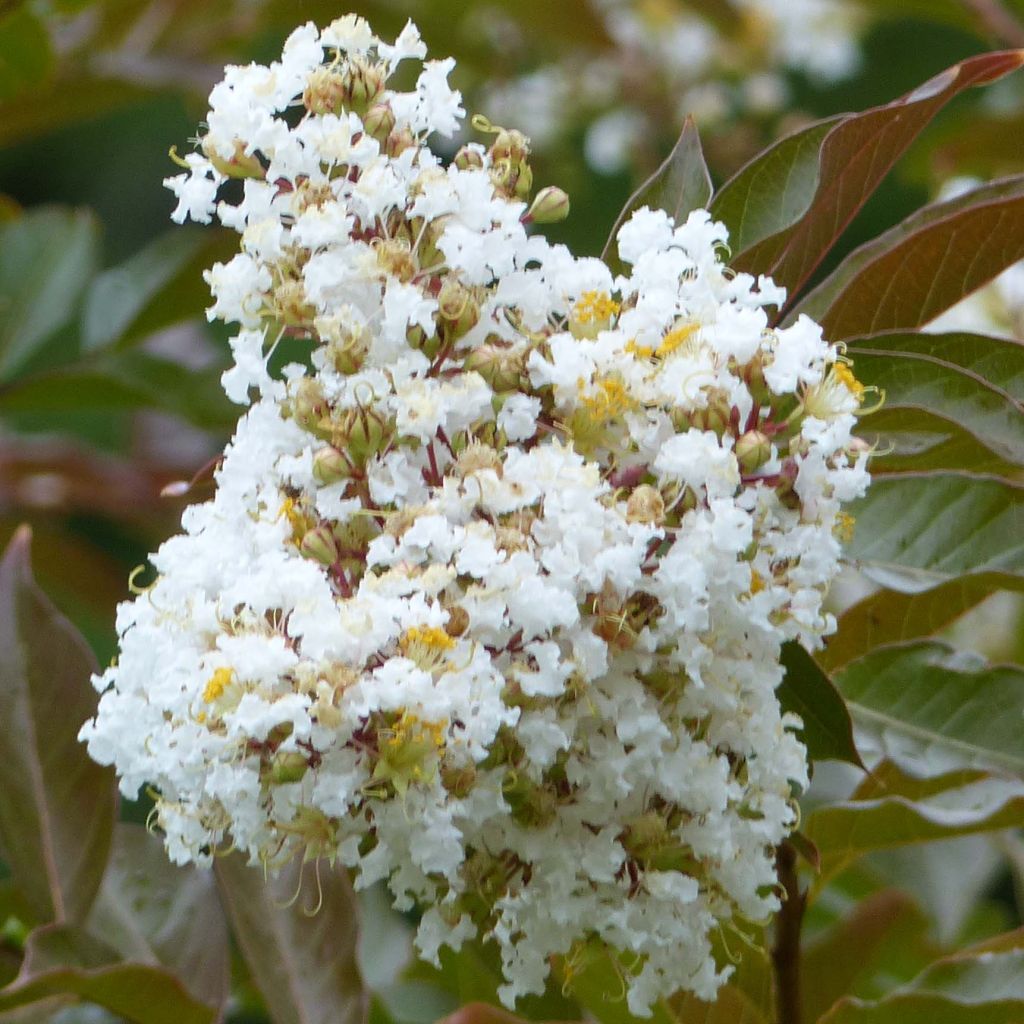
x: 753, y: 449
x: 458, y: 307
x: 309, y: 407
x: 330, y: 466
x: 469, y: 157
x: 550, y: 206
x: 379, y: 121
x: 320, y: 545
x: 500, y: 366
x: 363, y: 83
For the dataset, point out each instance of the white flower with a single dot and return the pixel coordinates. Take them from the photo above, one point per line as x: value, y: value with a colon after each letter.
x: 489, y: 587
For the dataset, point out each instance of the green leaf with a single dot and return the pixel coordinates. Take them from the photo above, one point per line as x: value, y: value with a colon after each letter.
x: 892, y: 809
x: 910, y: 274
x: 681, y: 184
x: 920, y: 378
x: 124, y: 380
x: 57, y: 806
x: 889, y: 617
x: 915, y: 441
x: 154, y: 912
x: 46, y: 258
x: 147, y: 288
x: 932, y: 707
x: 304, y: 963
x: 805, y: 690
x: 984, y: 986
x: 942, y: 525
x: 781, y: 224
x: 62, y: 960
x: 774, y: 190
x: 26, y: 55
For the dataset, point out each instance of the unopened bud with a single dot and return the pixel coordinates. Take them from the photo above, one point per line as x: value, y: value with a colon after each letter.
x: 500, y: 366
x: 320, y: 545
x: 458, y: 307
x: 399, y: 141
x: 379, y: 121
x: 753, y: 449
x: 330, y: 466
x: 550, y: 206
x: 309, y: 407
x: 363, y: 83
x: 469, y: 157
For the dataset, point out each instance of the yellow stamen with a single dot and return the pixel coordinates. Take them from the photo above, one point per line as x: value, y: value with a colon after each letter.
x: 433, y: 638
x: 217, y: 684
x: 676, y: 338
x: 592, y: 307
x: 843, y: 373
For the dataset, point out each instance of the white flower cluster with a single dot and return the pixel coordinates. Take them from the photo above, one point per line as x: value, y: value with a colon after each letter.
x: 489, y: 600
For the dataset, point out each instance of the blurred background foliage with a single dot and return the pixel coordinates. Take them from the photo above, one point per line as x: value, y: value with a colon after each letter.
x: 110, y: 407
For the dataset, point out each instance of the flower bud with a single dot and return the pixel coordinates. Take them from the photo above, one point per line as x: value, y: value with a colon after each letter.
x: 458, y: 307
x: 379, y: 121
x: 399, y: 141
x: 363, y: 434
x: 319, y: 544
x: 469, y: 157
x: 363, y: 83
x: 309, y: 407
x: 499, y: 365
x: 330, y: 466
x: 550, y: 206
x: 753, y: 449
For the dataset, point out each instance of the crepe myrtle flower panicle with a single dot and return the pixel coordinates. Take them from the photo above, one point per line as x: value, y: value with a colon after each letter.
x: 489, y: 599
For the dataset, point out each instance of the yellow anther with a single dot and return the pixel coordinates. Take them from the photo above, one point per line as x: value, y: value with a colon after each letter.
x: 433, y: 638
x: 756, y: 582
x: 591, y: 306
x: 676, y: 339
x: 843, y: 373
x: 217, y: 684
x: 640, y: 351
x: 609, y: 401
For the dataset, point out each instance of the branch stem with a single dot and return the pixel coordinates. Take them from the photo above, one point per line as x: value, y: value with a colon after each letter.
x: 786, y: 951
